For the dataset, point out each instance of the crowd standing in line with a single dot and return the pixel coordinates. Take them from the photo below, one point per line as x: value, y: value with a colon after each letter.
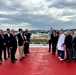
x: 62, y: 44
x: 10, y: 41
x: 59, y: 43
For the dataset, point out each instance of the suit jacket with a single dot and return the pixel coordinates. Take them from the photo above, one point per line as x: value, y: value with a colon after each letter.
x: 7, y: 39
x: 74, y: 43
x: 68, y: 41
x: 55, y: 39
x: 28, y: 35
x: 13, y: 41
x: 52, y: 38
x: 1, y: 42
x: 20, y: 39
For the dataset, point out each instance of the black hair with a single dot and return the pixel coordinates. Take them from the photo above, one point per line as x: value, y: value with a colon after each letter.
x: 19, y: 29
x: 8, y: 29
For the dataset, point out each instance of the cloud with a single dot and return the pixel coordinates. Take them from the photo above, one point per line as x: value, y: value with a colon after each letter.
x: 63, y: 4
x: 37, y: 14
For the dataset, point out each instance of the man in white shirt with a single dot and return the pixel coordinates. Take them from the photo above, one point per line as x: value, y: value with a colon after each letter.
x: 60, y: 44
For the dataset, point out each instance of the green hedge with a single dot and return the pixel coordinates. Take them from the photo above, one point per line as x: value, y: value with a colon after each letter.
x: 39, y: 41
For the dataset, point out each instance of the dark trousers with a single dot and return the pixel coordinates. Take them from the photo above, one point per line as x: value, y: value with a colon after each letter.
x: 26, y: 48
x: 61, y: 54
x: 49, y: 45
x: 8, y: 49
x: 5, y: 52
x: 0, y: 54
x: 69, y: 54
x: 58, y: 53
x: 74, y: 53
x: 13, y: 51
x: 53, y: 48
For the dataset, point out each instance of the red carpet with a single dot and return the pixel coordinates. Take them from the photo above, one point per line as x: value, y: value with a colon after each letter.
x: 38, y: 62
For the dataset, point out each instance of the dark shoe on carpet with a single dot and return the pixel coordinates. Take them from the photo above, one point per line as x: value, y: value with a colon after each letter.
x: 23, y: 57
x: 69, y: 61
x: 65, y: 59
x: 5, y: 58
x: 13, y: 61
x: 20, y: 59
x: 0, y: 62
x: 48, y: 51
x: 53, y: 53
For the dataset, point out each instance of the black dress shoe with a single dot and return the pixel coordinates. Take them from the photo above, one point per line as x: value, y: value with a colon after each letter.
x: 48, y: 51
x: 5, y: 58
x: 53, y: 53
x: 23, y: 57
x: 13, y: 61
x: 65, y: 59
x: 69, y: 61
x: 0, y: 62
x: 20, y: 59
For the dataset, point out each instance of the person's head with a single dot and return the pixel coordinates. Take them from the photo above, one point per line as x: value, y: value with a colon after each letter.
x: 13, y: 31
x: 8, y: 30
x: 26, y: 30
x: 72, y: 32
x: 54, y: 31
x: 20, y: 30
x: 57, y: 33
x: 61, y: 31
x: 68, y: 32
x: 1, y: 31
x: 51, y: 29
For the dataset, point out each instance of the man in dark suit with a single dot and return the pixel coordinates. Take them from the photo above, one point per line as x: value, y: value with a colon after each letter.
x: 21, y: 43
x: 4, y: 49
x: 68, y: 45
x: 7, y: 40
x: 13, y: 45
x: 1, y: 44
x: 53, y: 41
x: 27, y: 41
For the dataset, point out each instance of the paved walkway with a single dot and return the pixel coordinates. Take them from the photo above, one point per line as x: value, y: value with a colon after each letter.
x: 38, y: 62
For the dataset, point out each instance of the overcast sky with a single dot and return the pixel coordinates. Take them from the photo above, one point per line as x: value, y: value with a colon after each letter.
x: 37, y: 14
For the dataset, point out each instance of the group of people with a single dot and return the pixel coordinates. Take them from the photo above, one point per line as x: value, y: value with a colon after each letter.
x: 10, y: 41
x: 62, y: 43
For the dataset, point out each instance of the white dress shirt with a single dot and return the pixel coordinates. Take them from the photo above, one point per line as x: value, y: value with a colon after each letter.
x: 49, y: 35
x: 61, y: 42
